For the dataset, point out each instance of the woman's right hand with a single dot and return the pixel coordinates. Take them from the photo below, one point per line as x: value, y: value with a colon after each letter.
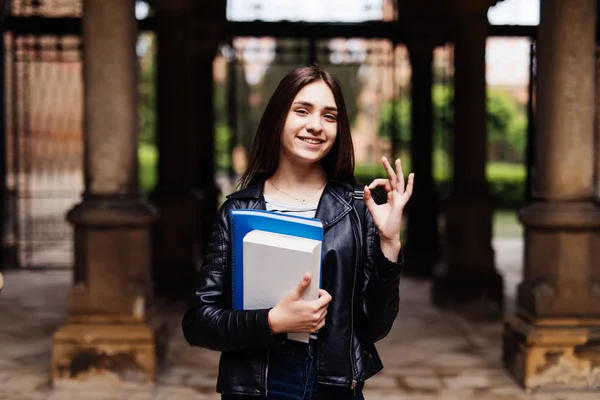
x: 293, y: 314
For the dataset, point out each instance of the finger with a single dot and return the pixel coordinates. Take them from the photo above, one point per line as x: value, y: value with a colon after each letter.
x: 319, y: 315
x: 320, y: 325
x: 400, y: 176
x: 299, y: 291
x: 317, y: 325
x: 324, y: 299
x: 369, y: 201
x: 323, y: 315
x: 409, y: 186
x: 381, y: 182
x: 390, y: 171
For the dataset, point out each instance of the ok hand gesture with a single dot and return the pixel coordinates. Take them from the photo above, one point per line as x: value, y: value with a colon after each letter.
x: 388, y: 216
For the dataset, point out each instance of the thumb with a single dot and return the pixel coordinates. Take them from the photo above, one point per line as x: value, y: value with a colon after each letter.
x: 299, y: 291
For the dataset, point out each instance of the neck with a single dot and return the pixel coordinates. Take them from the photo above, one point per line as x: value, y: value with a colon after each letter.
x: 298, y: 176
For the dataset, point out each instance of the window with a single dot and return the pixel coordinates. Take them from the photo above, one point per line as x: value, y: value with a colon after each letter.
x: 308, y: 10
x: 515, y: 12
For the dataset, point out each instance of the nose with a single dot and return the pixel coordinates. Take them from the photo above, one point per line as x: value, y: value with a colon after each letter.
x: 314, y: 125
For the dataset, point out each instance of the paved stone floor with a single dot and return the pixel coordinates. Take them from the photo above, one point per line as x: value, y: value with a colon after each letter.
x: 429, y: 355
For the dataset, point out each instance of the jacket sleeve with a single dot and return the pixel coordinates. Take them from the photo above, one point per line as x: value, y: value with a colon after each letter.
x: 210, y: 321
x: 380, y: 293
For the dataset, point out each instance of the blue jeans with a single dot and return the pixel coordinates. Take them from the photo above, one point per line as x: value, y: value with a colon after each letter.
x: 292, y: 375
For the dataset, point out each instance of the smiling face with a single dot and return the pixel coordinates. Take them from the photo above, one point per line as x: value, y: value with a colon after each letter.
x: 311, y: 125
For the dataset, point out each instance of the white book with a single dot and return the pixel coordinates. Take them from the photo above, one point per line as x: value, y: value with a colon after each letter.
x: 274, y: 264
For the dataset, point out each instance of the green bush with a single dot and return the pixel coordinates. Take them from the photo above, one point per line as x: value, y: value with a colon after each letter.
x: 506, y: 121
x: 506, y: 182
x: 148, y: 157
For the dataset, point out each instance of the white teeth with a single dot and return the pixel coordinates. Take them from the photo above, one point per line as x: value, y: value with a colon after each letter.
x: 311, y: 141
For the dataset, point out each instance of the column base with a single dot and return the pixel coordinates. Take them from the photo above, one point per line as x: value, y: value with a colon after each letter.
x: 467, y: 280
x: 564, y: 356
x: 10, y: 255
x: 479, y: 295
x: 94, y: 355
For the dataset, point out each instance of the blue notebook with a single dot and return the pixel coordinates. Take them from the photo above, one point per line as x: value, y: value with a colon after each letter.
x: 243, y: 222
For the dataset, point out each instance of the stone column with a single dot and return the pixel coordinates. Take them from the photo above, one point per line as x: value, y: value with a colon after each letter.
x: 186, y: 193
x: 422, y: 244
x: 554, y: 340
x: 467, y: 275
x: 110, y: 337
x: 3, y: 162
x: 597, y: 121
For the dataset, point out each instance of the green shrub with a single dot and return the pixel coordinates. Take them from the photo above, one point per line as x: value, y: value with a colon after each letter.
x: 506, y: 181
x: 507, y: 184
x: 148, y: 157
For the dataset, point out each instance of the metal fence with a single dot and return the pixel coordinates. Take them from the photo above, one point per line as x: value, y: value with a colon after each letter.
x: 43, y: 136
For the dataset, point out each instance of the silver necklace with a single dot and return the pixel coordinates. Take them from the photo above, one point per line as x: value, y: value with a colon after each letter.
x: 302, y: 200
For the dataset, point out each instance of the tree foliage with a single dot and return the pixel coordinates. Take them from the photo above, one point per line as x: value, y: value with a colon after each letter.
x: 506, y: 122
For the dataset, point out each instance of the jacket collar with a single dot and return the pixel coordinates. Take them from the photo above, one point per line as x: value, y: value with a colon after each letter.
x: 333, y: 206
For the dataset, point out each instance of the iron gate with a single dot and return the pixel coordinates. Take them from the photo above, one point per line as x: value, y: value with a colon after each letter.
x: 43, y: 128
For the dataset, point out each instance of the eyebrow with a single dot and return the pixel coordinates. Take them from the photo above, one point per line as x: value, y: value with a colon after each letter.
x: 307, y: 104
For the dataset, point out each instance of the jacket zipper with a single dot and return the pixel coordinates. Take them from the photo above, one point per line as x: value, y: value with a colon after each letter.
x: 267, y: 372
x: 359, y: 255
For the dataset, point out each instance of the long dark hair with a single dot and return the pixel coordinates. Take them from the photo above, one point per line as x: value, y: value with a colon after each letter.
x: 338, y: 164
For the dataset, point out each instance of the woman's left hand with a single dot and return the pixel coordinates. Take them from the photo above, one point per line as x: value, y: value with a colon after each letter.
x: 388, y: 216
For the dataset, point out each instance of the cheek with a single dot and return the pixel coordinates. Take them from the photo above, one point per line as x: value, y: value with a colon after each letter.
x: 287, y: 134
x: 332, y: 134
x: 291, y: 128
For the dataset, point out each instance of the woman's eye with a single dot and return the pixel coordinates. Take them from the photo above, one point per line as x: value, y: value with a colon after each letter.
x: 302, y: 112
x: 331, y: 117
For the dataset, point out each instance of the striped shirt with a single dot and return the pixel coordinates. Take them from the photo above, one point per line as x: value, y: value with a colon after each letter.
x: 301, y: 210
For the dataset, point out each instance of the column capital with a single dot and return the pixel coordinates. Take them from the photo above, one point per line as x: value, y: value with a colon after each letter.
x: 561, y: 215
x: 112, y: 212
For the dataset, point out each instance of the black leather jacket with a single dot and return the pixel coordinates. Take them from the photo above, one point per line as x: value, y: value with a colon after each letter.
x: 361, y: 280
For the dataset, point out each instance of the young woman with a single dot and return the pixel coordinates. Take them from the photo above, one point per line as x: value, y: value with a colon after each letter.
x: 302, y: 163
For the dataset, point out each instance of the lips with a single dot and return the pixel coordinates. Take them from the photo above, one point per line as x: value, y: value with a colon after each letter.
x: 311, y: 140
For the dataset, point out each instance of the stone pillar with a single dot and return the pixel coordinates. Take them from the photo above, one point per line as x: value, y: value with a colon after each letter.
x: 110, y: 337
x: 186, y: 193
x: 597, y: 120
x: 422, y: 244
x: 468, y: 276
x: 209, y: 33
x: 554, y: 340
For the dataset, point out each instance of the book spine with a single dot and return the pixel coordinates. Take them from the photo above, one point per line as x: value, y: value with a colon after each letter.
x: 233, y: 261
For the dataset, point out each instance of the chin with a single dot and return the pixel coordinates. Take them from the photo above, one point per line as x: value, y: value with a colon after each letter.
x: 309, y: 158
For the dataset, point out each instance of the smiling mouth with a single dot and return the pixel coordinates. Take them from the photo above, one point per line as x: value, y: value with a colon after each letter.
x: 311, y: 141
